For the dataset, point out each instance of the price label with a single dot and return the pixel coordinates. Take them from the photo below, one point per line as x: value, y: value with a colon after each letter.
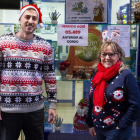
x: 73, y: 32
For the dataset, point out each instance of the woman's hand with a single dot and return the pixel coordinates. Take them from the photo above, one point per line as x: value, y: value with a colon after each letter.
x: 117, y: 127
x: 92, y: 131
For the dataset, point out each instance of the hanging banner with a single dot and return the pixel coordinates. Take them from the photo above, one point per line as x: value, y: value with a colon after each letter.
x: 123, y: 39
x: 72, y: 34
x: 86, y: 11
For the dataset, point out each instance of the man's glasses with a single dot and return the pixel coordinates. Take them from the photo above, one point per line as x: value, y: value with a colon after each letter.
x: 103, y: 55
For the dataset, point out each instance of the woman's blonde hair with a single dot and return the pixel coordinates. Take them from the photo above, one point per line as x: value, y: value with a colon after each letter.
x: 116, y: 49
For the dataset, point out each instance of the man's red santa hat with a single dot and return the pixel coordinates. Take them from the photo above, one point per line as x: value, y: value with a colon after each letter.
x: 24, y: 8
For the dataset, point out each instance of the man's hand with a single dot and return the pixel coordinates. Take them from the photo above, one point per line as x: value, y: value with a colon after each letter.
x: 53, y: 113
x: 92, y: 131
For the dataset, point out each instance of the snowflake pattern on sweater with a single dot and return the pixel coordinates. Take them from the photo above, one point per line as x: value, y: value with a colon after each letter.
x: 23, y: 65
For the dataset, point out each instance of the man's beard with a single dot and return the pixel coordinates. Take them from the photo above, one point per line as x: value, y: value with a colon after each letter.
x: 82, y: 112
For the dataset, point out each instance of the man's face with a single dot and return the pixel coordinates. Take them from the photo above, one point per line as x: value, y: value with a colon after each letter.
x: 29, y: 21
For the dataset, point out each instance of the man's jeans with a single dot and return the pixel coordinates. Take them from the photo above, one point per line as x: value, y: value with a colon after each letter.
x: 31, y: 123
x: 114, y: 134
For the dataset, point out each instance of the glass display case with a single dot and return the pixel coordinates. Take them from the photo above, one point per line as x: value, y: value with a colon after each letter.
x: 70, y: 89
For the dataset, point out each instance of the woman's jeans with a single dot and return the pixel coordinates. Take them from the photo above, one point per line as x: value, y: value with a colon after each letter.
x: 115, y: 134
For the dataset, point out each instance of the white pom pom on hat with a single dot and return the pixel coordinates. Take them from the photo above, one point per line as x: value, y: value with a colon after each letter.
x: 41, y: 25
x: 24, y: 8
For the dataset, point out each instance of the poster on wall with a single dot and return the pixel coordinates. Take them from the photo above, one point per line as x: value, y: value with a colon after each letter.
x: 8, y: 29
x: 123, y: 38
x: 82, y: 58
x: 86, y: 11
x: 72, y: 34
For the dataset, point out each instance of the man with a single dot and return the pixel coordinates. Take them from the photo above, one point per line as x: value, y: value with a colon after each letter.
x: 26, y: 57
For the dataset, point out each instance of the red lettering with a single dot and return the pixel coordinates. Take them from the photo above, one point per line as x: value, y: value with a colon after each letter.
x: 80, y: 26
x: 63, y: 26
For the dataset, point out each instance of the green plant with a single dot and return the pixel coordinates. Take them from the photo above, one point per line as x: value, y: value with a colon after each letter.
x: 54, y: 15
x: 58, y: 121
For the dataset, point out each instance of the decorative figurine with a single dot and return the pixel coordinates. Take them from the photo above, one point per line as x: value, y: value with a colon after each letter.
x: 83, y: 74
x: 98, y: 12
x: 120, y: 17
x: 136, y: 12
x: 64, y: 68
x: 91, y: 75
x: 57, y: 123
x: 79, y: 119
x: 74, y: 76
x: 104, y: 35
x: 79, y: 73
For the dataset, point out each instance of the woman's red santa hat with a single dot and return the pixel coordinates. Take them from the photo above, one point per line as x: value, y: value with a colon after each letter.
x: 24, y: 8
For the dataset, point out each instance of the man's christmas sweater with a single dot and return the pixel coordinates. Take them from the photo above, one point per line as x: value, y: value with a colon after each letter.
x: 23, y: 64
x: 122, y: 103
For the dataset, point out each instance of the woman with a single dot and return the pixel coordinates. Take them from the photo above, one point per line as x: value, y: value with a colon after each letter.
x: 114, y: 99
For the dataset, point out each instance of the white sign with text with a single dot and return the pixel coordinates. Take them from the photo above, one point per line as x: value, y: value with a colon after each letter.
x: 124, y: 39
x: 72, y: 34
x: 63, y: 56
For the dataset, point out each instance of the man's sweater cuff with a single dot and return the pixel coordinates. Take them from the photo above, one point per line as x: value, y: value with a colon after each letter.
x: 52, y: 105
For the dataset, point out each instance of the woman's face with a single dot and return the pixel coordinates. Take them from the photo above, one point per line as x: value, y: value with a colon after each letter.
x: 108, y: 57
